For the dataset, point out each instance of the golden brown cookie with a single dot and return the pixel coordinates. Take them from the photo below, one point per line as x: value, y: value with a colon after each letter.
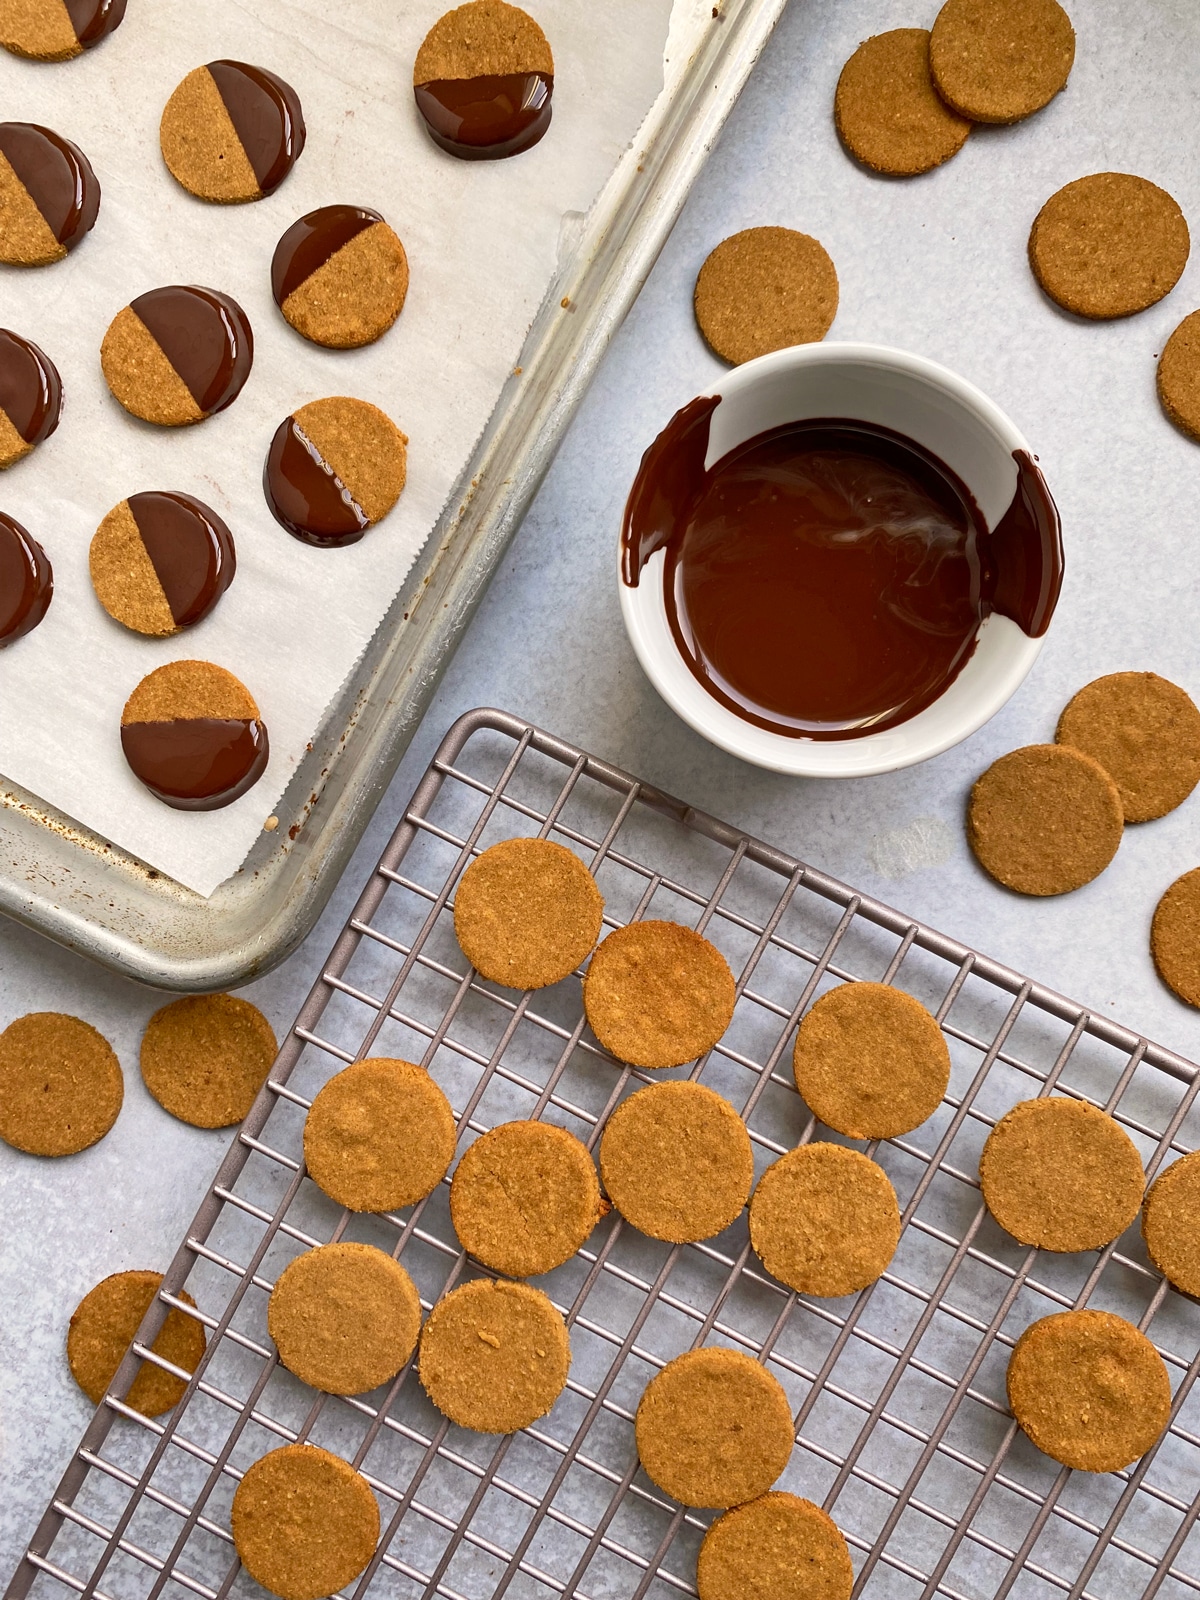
x: 379, y: 1135
x: 778, y: 1547
x: 192, y: 733
x: 714, y: 1428
x: 1109, y: 245
x: 1179, y: 376
x: 483, y: 81
x: 1000, y: 60
x: 1061, y: 1175
x: 177, y: 355
x: 102, y: 1328
x: 53, y: 30
x: 231, y: 132
x: 1175, y: 937
x: 1171, y: 1223
x: 30, y: 397
x: 889, y: 115
x: 334, y: 469
x: 304, y: 1522
x: 658, y: 994
x: 60, y: 1084
x: 340, y: 276
x: 160, y: 561
x: 676, y: 1161
x: 870, y: 1061
x: 527, y: 912
x: 344, y: 1317
x: 825, y: 1220
x: 524, y: 1198
x: 204, y: 1058
x: 764, y: 289
x: 1089, y: 1389
x: 49, y: 195
x: 494, y: 1356
x: 1045, y: 819
x: 1144, y: 732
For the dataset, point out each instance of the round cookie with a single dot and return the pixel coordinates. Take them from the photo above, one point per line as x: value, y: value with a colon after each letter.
x: 192, y: 734
x: 1179, y: 376
x: 777, y: 1547
x: 49, y: 195
x: 379, y: 1135
x: 60, y: 1084
x: 870, y: 1061
x: 335, y: 468
x: 340, y: 275
x: 1045, y: 819
x: 1144, y: 732
x: 1061, y: 1175
x: 231, y: 132
x: 344, y: 1317
x: 1171, y: 1223
x: 304, y: 1522
x: 30, y: 397
x: 205, y: 1057
x: 889, y: 116
x: 825, y: 1220
x: 102, y: 1328
x: 1108, y: 245
x: 160, y: 561
x: 764, y: 289
x: 1089, y: 1389
x: 1175, y: 937
x: 177, y: 355
x: 483, y: 81
x: 57, y: 30
x: 524, y: 1197
x: 676, y: 1161
x: 658, y: 994
x: 494, y: 1356
x: 26, y: 581
x: 527, y: 912
x: 714, y: 1428
x: 1000, y: 60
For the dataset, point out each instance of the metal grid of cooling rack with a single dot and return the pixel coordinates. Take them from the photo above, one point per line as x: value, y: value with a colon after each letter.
x: 901, y: 1426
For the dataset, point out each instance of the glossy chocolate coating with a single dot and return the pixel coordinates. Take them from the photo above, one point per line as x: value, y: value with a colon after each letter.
x: 197, y: 763
x: 206, y: 337
x: 266, y: 116
x: 30, y: 388
x: 58, y: 177
x: 305, y: 494
x: 489, y: 117
x: 309, y: 243
x: 26, y: 581
x: 94, y: 20
x: 190, y: 549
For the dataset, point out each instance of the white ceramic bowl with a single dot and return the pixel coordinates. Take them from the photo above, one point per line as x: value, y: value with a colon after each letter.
x: 941, y: 411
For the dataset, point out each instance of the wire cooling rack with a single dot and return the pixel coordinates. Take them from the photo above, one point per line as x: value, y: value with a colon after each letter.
x: 902, y: 1430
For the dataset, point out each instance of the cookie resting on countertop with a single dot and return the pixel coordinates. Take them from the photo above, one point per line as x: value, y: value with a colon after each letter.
x: 340, y: 275
x: 1144, y: 732
x: 1109, y: 245
x: 26, y: 581
x: 1000, y: 60
x: 49, y: 195
x: 658, y: 994
x: 30, y: 397
x: 889, y: 116
x: 527, y: 912
x: 204, y: 1058
x: 57, y: 30
x: 484, y: 81
x: 824, y: 1220
x: 304, y: 1522
x: 231, y: 132
x: 60, y: 1084
x: 334, y: 468
x: 177, y: 355
x: 1179, y: 376
x: 160, y: 561
x: 192, y: 734
x: 764, y: 289
x: 102, y: 1328
x: 777, y: 1547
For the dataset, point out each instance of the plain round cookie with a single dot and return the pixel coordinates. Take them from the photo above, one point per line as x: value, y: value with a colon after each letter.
x: 870, y: 1061
x: 1109, y: 245
x: 205, y: 1057
x: 714, y: 1428
x: 889, y: 116
x: 1000, y: 60
x: 1171, y: 1223
x: 102, y: 1328
x: 765, y: 289
x: 1061, y: 1174
x: 524, y: 1197
x: 658, y: 994
x: 1145, y: 732
x: 193, y: 735
x: 777, y: 1547
x: 1045, y: 819
x: 1175, y: 937
x: 379, y: 1135
x: 527, y: 912
x: 344, y: 1317
x: 1089, y: 1389
x: 825, y: 1220
x: 494, y: 1356
x: 60, y: 1084
x: 1178, y: 378
x: 304, y: 1522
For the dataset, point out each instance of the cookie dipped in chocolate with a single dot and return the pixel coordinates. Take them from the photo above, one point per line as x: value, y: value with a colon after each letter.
x: 192, y: 733
x: 266, y: 116
x: 306, y: 495
x: 26, y: 581
x: 49, y: 195
x: 484, y: 81
x: 334, y: 468
x: 177, y: 355
x: 160, y: 561
x: 30, y: 397
x: 57, y: 30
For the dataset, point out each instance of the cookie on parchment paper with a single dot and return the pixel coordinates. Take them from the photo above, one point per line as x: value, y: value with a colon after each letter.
x: 57, y: 30
x: 30, y: 397
x: 160, y: 561
x: 483, y: 81
x: 888, y: 113
x: 192, y: 733
x: 1000, y: 60
x: 231, y: 132
x: 334, y: 468
x: 49, y: 195
x: 177, y: 355
x: 340, y: 276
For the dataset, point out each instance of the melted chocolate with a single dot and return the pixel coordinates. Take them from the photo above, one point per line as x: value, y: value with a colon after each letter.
x: 266, y: 117
x: 489, y: 117
x: 306, y: 495
x: 197, y: 763
x: 94, y: 20
x: 30, y: 388
x: 26, y: 581
x: 309, y: 243
x: 190, y: 549
x: 58, y: 177
x: 205, y: 336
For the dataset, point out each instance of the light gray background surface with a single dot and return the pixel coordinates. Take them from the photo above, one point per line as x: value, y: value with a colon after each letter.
x: 935, y: 265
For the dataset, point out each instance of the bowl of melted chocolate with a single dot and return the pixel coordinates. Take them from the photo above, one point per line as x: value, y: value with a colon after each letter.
x: 842, y: 561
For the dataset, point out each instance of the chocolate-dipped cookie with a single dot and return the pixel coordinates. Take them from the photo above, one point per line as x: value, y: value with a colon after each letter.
x: 231, y: 132
x: 484, y: 81
x: 49, y: 195
x: 177, y: 355
x: 56, y: 30
x: 26, y: 581
x: 160, y: 561
x: 340, y: 276
x: 30, y: 397
x: 192, y: 734
x: 334, y: 469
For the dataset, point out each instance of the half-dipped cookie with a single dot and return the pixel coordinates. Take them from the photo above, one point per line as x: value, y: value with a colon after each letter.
x: 177, y: 355
x: 56, y: 30
x: 484, y: 81
x: 160, y: 561
x: 231, y: 132
x: 192, y: 734
x: 30, y: 397
x: 340, y: 276
x: 334, y: 469
x: 26, y: 581
x: 49, y: 195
